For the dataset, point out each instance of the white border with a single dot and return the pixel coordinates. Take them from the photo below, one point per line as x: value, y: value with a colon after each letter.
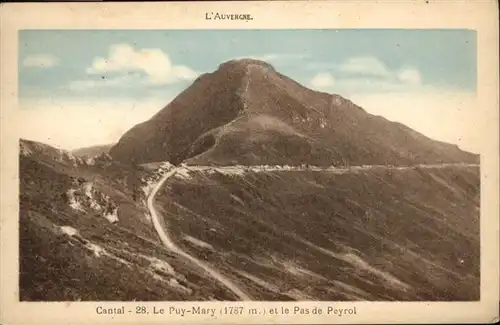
x: 479, y: 15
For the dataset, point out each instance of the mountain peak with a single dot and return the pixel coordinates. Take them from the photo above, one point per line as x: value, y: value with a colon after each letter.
x: 245, y: 63
x: 248, y: 113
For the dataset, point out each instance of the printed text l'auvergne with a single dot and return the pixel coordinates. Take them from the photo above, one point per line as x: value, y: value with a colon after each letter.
x: 226, y: 16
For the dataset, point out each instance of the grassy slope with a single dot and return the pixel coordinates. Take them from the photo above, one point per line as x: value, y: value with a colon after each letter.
x: 286, y: 123
x: 56, y: 267
x: 376, y: 235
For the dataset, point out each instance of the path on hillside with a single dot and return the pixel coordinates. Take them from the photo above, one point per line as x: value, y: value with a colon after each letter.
x: 238, y: 169
x: 167, y: 241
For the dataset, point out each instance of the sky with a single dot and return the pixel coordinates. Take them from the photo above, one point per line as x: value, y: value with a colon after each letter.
x: 80, y: 88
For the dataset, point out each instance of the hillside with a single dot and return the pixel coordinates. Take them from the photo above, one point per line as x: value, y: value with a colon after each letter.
x: 277, y: 232
x: 85, y: 234
x: 397, y: 219
x: 247, y: 113
x: 376, y: 234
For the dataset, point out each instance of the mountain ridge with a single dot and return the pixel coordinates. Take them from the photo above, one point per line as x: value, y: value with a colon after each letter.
x: 94, y: 150
x: 246, y: 112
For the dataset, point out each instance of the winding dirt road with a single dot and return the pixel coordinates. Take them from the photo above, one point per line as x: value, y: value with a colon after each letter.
x: 167, y: 241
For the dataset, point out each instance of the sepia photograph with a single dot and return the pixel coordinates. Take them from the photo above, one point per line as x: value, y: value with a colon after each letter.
x: 278, y: 165
x: 251, y: 164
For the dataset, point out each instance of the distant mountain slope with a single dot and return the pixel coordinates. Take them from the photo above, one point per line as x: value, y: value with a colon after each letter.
x: 247, y: 113
x: 93, y: 150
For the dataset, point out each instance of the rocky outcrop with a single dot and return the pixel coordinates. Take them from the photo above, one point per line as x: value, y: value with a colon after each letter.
x: 84, y: 197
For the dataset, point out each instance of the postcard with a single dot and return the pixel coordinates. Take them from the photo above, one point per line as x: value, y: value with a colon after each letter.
x: 317, y: 162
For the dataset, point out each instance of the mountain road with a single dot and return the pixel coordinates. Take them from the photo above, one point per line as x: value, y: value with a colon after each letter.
x: 167, y: 241
x: 226, y: 282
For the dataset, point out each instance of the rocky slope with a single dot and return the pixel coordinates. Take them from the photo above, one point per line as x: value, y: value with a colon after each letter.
x: 245, y: 112
x: 83, y: 236
x: 382, y: 233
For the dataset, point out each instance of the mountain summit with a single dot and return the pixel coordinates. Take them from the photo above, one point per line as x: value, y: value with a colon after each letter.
x: 246, y: 112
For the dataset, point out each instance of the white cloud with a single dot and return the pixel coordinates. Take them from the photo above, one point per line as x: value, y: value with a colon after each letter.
x: 366, y: 65
x: 40, y: 61
x: 409, y: 75
x: 72, y: 124
x: 154, y: 63
x: 322, y: 80
x: 356, y: 75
